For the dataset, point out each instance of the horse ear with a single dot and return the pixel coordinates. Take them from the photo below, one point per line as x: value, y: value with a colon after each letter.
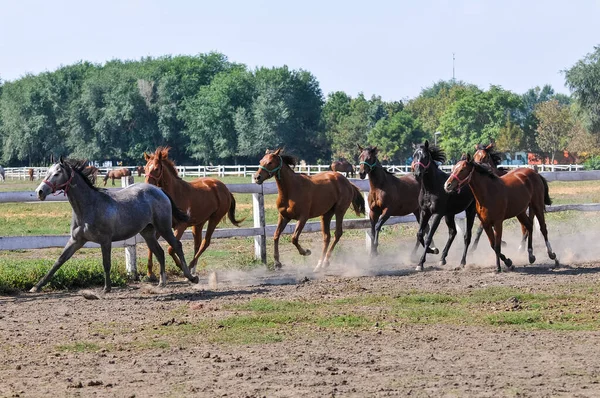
x: 61, y: 160
x: 468, y: 157
x: 490, y: 146
x: 427, y: 144
x: 375, y: 150
x: 463, y: 156
x: 146, y: 156
x: 277, y: 152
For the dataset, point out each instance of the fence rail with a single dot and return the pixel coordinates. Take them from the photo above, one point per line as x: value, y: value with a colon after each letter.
x: 22, y: 173
x: 260, y: 230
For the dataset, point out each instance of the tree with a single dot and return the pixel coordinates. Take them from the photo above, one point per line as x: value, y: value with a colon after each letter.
x: 510, y: 137
x: 583, y: 79
x: 554, y: 128
x: 395, y: 136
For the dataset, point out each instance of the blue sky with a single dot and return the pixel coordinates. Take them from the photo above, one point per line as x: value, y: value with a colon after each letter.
x: 389, y: 48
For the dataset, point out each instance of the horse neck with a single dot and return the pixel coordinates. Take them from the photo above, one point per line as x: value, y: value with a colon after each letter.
x: 377, y: 176
x: 168, y: 181
x: 433, y: 179
x: 286, y: 182
x: 479, y: 185
x: 80, y: 195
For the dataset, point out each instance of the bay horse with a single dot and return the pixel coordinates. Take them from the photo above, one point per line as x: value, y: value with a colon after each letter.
x: 204, y: 199
x: 140, y: 170
x: 302, y: 197
x: 104, y: 216
x: 343, y: 166
x: 2, y: 174
x: 117, y: 173
x: 501, y: 198
x: 435, y: 202
x: 30, y: 173
x: 388, y: 196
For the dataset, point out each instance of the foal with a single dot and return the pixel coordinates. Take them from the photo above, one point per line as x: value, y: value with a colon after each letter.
x: 435, y: 202
x: 501, y: 198
x: 388, y: 196
x: 302, y: 197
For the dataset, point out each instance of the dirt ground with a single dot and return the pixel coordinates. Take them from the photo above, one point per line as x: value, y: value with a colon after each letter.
x: 128, y: 359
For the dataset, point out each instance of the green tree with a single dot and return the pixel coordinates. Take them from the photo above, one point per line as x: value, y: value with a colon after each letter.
x: 554, y: 128
x: 583, y: 79
x: 510, y: 137
x: 395, y: 136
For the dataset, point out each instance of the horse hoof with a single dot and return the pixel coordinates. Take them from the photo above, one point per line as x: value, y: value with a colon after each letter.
x: 552, y: 256
x: 442, y: 263
x: 458, y: 268
x: 436, y: 251
x: 531, y: 259
x: 278, y: 265
x: 419, y: 268
x: 195, y: 279
x: 106, y: 289
x: 34, y: 289
x: 150, y: 278
x: 307, y: 252
x: 508, y: 262
x: 556, y: 263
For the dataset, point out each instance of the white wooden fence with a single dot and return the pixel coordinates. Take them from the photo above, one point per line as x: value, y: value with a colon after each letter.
x: 22, y: 173
x: 260, y: 231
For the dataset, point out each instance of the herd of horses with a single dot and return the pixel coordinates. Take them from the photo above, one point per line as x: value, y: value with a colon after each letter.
x: 166, y: 202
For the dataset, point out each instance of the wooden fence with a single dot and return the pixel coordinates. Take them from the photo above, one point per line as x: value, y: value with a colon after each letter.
x: 260, y: 231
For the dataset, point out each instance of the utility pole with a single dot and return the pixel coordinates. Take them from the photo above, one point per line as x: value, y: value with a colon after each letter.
x: 453, y: 77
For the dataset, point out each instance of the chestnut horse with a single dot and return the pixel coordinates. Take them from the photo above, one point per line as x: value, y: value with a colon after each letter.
x: 204, y: 199
x: 30, y: 172
x: 501, y: 198
x: 117, y: 173
x: 436, y: 203
x: 343, y: 166
x: 302, y: 197
x: 140, y: 170
x: 388, y: 196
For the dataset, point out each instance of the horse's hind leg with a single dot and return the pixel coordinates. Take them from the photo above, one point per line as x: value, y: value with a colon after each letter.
x: 106, y: 249
x: 539, y: 213
x: 296, y: 237
x: 197, y: 234
x: 431, y: 249
x: 451, y: 235
x: 167, y: 234
x: 470, y: 213
x: 212, y: 224
x: 477, y: 237
x: 326, y: 231
x: 339, y: 218
x: 149, y: 235
x: 172, y: 252
x: 527, y: 225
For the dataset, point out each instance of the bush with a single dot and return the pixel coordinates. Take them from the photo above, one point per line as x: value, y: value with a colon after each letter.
x: 592, y: 163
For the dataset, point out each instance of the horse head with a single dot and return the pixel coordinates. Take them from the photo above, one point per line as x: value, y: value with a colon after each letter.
x: 154, y: 168
x: 269, y: 166
x: 461, y: 174
x: 58, y: 177
x: 368, y: 160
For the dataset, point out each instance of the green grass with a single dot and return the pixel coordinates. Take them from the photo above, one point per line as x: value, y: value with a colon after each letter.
x: 80, y: 346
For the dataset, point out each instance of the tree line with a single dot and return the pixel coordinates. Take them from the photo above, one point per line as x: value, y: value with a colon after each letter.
x: 213, y: 111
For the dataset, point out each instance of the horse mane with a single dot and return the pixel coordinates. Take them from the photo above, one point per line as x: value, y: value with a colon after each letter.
x: 436, y: 153
x: 484, y: 169
x: 494, y: 155
x: 79, y: 167
x: 290, y: 160
x: 162, y: 154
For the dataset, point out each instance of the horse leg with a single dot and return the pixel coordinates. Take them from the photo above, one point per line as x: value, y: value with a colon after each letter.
x: 149, y: 235
x: 326, y: 231
x: 489, y: 231
x: 70, y: 248
x: 296, y: 236
x: 175, y: 244
x: 451, y: 235
x: 434, y: 225
x: 539, y: 213
x: 282, y: 222
x: 498, y: 245
x: 106, y: 248
x: 384, y: 217
x: 431, y: 249
x: 212, y: 224
x: 373, y: 216
x: 197, y: 234
x: 180, y: 230
x: 477, y: 237
x: 524, y: 231
x: 150, y: 274
x: 470, y: 213
x: 527, y: 226
x: 339, y: 218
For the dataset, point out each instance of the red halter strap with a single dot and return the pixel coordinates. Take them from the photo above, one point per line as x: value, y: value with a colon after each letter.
x: 57, y: 187
x: 464, y: 181
x: 413, y: 164
x: 157, y: 178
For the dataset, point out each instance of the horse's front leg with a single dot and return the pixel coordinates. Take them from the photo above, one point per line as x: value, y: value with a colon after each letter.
x: 434, y: 225
x: 296, y: 237
x: 326, y: 231
x: 106, y: 249
x: 70, y: 248
x: 470, y: 214
x: 282, y: 222
x: 451, y: 223
x: 527, y: 229
x: 373, y: 217
x: 498, y: 244
x: 384, y: 217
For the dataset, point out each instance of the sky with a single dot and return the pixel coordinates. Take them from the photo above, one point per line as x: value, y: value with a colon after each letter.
x: 389, y: 48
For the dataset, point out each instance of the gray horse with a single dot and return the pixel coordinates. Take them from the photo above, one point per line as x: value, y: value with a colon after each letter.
x: 104, y: 216
x: 2, y: 174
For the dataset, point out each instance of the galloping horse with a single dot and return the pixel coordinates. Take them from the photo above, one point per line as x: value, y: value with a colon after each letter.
x: 2, y: 174
x: 140, y: 170
x: 103, y: 217
x: 435, y: 202
x: 343, y: 166
x: 204, y: 199
x: 388, y: 196
x: 117, y: 173
x: 30, y: 173
x: 501, y: 198
x: 302, y: 197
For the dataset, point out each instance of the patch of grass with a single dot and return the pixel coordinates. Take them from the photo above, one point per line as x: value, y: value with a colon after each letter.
x: 497, y: 294
x: 80, y: 346
x: 268, y: 305
x: 426, y: 298
x: 343, y: 321
x: 514, y: 318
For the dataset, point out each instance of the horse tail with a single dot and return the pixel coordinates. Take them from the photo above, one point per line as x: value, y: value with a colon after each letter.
x: 547, y: 199
x: 178, y: 215
x: 358, y: 201
x: 231, y: 213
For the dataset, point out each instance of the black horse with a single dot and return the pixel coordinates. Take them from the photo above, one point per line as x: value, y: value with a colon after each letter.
x: 435, y: 202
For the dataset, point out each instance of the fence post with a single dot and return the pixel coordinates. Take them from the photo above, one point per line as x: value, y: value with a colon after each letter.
x: 367, y: 214
x: 130, y: 246
x: 258, y: 211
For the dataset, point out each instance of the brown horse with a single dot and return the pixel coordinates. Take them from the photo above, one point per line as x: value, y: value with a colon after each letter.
x: 501, y: 198
x: 343, y: 166
x: 302, y: 197
x: 204, y: 199
x: 140, y: 170
x: 30, y: 172
x: 117, y: 173
x: 388, y: 196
